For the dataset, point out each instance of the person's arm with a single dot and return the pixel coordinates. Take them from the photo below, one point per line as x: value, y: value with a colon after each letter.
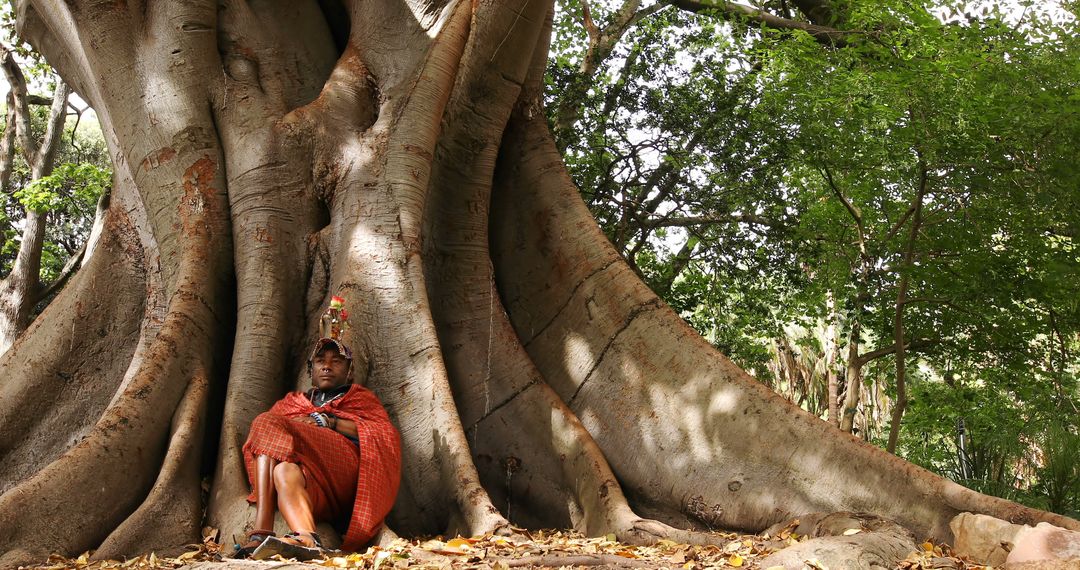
x: 343, y: 426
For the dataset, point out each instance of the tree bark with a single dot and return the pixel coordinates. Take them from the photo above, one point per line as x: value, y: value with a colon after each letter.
x: 7, y: 145
x: 268, y: 156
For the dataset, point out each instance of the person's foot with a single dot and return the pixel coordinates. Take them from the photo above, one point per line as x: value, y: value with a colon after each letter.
x: 254, y: 539
x: 305, y: 539
x: 299, y: 546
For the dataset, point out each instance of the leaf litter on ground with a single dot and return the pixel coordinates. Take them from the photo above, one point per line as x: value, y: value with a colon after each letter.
x: 549, y: 548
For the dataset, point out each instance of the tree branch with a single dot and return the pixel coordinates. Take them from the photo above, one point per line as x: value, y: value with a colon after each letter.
x: 690, y: 221
x: 898, y: 316
x: 7, y: 145
x: 69, y: 269
x: 601, y: 42
x: 50, y: 143
x: 856, y: 215
x: 590, y: 25
x: 729, y: 10
x: 820, y: 12
x: 940, y: 300
x: 17, y: 82
x: 78, y: 119
x: 38, y: 100
x: 911, y: 346
x: 900, y: 223
x: 678, y: 264
x: 629, y: 16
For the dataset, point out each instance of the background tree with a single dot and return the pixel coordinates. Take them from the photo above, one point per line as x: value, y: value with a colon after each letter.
x: 269, y: 154
x: 48, y: 209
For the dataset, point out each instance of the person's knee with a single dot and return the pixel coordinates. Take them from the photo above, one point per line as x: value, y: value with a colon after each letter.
x: 288, y: 475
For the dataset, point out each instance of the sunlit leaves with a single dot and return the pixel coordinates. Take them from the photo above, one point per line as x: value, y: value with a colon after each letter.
x: 69, y: 195
x: 81, y: 183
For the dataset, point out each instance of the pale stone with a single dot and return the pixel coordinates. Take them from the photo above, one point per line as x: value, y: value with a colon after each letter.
x: 983, y: 539
x: 1045, y: 542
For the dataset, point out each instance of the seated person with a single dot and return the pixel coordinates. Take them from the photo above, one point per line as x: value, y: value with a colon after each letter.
x: 328, y: 454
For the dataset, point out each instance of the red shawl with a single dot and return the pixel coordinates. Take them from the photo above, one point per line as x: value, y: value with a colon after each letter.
x: 380, y: 456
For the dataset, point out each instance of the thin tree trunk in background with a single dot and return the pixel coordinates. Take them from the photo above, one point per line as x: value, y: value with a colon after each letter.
x: 21, y: 290
x: 7, y: 147
x: 679, y: 264
x: 898, y: 317
x: 832, y: 339
x: 852, y: 380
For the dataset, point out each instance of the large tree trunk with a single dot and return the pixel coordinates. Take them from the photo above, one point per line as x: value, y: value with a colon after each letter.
x: 269, y: 154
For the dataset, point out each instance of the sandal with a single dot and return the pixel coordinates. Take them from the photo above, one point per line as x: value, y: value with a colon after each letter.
x: 255, y: 539
x: 290, y: 546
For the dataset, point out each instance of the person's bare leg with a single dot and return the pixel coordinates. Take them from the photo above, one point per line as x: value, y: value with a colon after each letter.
x: 265, y: 503
x: 265, y: 499
x: 293, y: 500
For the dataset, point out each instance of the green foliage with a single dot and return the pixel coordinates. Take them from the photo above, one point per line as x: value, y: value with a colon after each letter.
x: 1059, y: 473
x: 69, y: 195
x: 80, y: 183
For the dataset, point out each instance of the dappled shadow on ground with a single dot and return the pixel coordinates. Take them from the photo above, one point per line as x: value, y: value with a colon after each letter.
x: 552, y: 549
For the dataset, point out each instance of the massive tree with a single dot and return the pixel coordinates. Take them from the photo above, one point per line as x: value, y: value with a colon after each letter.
x: 269, y: 154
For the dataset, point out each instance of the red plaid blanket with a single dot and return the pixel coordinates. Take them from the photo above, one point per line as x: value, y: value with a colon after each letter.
x: 380, y: 454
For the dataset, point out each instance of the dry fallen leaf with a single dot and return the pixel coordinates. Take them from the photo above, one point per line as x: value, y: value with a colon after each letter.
x: 459, y: 542
x: 210, y: 534
x: 189, y: 555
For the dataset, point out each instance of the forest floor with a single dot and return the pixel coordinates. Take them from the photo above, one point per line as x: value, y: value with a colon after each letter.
x: 551, y: 549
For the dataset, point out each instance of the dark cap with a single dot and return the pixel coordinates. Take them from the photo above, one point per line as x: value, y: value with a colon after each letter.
x: 321, y: 345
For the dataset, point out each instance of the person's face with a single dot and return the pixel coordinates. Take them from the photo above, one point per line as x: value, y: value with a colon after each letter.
x: 329, y: 369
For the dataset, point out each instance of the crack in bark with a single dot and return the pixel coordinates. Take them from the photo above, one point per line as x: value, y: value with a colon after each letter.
x: 569, y: 298
x: 423, y: 349
x: 511, y: 80
x: 535, y: 381
x: 650, y: 305
x: 263, y: 166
